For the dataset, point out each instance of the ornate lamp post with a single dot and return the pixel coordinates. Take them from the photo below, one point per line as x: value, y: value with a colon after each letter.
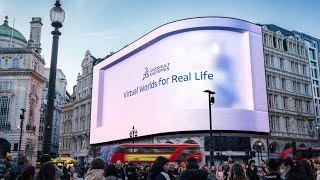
x: 57, y: 16
x: 211, y: 101
x: 133, y: 134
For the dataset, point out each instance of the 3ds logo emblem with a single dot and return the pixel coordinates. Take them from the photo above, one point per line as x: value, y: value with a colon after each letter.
x: 146, y: 74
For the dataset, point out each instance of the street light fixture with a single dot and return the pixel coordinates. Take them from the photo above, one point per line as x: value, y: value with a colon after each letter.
x: 57, y: 16
x: 133, y: 134
x: 211, y: 101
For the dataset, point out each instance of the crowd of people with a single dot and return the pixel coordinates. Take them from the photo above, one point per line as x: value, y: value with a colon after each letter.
x: 162, y: 169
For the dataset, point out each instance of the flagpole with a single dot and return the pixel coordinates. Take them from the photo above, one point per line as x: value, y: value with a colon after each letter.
x: 12, y: 32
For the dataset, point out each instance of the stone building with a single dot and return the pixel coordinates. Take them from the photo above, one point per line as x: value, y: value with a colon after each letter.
x: 21, y: 82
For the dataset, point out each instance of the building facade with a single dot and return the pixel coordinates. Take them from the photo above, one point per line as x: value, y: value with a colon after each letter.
x: 75, y: 127
x: 21, y: 82
x: 289, y: 90
x: 313, y: 50
x: 61, y: 97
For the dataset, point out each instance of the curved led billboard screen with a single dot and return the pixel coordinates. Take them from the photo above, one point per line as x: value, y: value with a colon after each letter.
x: 156, y: 83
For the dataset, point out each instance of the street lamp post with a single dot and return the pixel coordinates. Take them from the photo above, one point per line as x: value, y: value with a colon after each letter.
x: 21, y: 127
x: 211, y: 101
x: 133, y: 134
x: 57, y: 16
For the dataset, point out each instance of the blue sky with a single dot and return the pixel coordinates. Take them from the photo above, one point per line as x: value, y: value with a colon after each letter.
x: 104, y: 26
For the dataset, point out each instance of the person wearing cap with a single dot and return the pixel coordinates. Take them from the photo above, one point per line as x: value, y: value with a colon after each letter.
x: 46, y: 158
x: 8, y: 162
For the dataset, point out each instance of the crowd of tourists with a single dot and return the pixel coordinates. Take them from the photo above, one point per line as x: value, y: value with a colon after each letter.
x: 162, y: 169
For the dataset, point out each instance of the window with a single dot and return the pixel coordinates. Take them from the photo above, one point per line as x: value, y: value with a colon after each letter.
x: 15, y: 63
x: 271, y: 61
x: 298, y: 87
x: 268, y: 80
x: 294, y: 86
x: 300, y: 125
x: 306, y: 89
x: 286, y: 119
x: 304, y: 69
x: 283, y: 83
x: 35, y: 66
x: 269, y: 101
x: 308, y: 106
x: 292, y: 66
x: 4, y: 111
x: 284, y: 101
x: 297, y: 68
x: 267, y: 62
x: 272, y: 123
x: 312, y: 54
x: 281, y: 64
x: 296, y: 104
x: 31, y: 112
x: 274, y: 82
x: 275, y: 102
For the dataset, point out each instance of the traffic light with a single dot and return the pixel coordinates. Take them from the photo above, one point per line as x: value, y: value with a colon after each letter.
x: 294, y: 148
x: 271, y: 148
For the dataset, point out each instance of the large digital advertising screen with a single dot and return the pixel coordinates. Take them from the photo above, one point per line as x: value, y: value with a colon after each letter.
x: 156, y: 83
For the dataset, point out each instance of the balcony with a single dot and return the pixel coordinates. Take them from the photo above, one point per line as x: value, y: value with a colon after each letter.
x: 30, y: 128
x: 5, y: 126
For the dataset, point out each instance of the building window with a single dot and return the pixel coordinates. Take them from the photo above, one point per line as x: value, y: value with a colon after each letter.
x: 286, y: 119
x: 298, y: 87
x: 269, y: 100
x: 268, y: 80
x: 312, y: 54
x: 283, y: 84
x: 4, y: 112
x: 15, y: 63
x: 31, y: 112
x: 35, y: 65
x: 272, y: 123
x: 304, y: 69
x: 306, y: 89
x: 275, y: 102
x: 267, y: 61
x: 297, y: 68
x: 294, y: 86
x: 274, y: 82
x: 308, y: 106
x: 281, y: 64
x: 300, y: 127
x: 292, y: 66
x: 284, y: 101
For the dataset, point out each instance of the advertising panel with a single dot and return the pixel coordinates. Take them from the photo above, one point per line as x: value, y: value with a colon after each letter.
x: 156, y: 83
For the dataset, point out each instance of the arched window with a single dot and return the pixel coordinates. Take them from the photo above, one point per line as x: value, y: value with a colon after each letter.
x: 15, y: 63
x: 287, y: 146
x: 258, y: 146
x: 275, y: 146
x: 4, y: 112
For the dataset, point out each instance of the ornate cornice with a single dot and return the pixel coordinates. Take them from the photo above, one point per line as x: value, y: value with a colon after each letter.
x: 23, y: 72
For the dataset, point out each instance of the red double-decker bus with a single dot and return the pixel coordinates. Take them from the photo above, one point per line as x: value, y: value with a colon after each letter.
x: 147, y: 153
x: 301, y: 153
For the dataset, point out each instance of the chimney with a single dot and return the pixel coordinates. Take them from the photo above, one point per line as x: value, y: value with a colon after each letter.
x: 35, y: 34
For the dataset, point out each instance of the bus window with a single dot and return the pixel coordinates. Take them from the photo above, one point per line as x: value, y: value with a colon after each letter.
x: 164, y: 149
